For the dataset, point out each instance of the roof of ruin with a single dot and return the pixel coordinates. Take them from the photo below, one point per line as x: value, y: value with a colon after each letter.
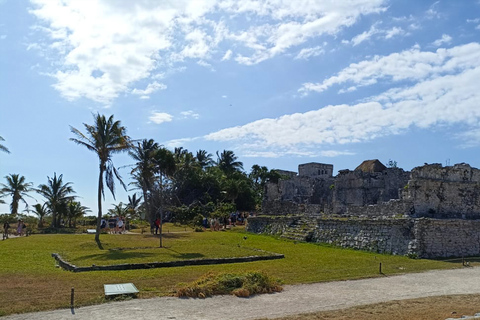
x: 371, y: 166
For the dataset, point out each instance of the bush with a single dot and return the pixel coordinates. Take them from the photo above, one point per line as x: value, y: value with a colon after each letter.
x: 240, y: 285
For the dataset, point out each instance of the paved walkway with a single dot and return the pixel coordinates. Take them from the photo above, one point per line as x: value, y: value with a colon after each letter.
x: 293, y: 300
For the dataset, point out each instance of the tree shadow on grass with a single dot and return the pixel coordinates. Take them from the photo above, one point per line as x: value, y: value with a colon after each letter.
x: 115, y: 255
x: 99, y: 244
x: 186, y: 255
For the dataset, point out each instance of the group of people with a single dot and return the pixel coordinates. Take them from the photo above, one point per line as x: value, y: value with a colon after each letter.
x: 21, y: 229
x: 231, y: 220
x: 115, y: 224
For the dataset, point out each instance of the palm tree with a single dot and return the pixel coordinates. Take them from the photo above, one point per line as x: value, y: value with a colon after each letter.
x: 144, y: 170
x: 57, y: 194
x: 106, y: 137
x: 165, y: 167
x: 204, y: 159
x: 133, y: 205
x: 2, y: 147
x: 41, y: 210
x: 17, y: 188
x: 227, y: 162
x: 75, y: 210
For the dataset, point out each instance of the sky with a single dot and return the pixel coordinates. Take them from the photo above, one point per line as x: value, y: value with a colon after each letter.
x: 279, y: 82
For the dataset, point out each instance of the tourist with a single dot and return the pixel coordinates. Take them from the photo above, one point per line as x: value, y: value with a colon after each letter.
x: 20, y: 228
x: 157, y: 225
x: 6, y: 226
x: 120, y: 225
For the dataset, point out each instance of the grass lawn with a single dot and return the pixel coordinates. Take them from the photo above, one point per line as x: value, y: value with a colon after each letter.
x: 31, y: 282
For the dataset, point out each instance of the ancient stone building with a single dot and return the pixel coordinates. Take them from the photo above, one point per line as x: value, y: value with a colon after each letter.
x: 432, y: 211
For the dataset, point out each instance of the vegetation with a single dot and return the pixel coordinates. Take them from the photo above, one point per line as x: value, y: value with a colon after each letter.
x: 106, y: 137
x: 240, y: 285
x: 57, y: 195
x: 45, y: 287
x: 2, y: 147
x: 18, y: 189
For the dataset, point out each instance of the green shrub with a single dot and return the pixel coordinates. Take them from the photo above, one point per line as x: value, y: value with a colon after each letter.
x: 241, y: 285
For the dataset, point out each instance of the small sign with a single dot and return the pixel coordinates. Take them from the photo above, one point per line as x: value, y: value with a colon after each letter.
x: 91, y: 230
x: 122, y: 288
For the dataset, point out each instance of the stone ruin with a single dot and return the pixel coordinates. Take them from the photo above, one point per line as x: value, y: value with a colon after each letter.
x: 431, y: 211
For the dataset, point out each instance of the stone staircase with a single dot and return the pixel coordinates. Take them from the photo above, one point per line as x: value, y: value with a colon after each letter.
x: 300, y: 229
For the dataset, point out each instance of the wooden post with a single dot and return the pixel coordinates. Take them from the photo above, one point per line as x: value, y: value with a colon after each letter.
x: 380, y: 268
x: 72, y: 298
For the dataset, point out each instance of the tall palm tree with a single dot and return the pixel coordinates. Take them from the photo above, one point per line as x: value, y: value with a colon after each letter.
x: 17, y: 188
x: 144, y: 170
x: 41, y: 210
x: 105, y: 137
x: 2, y: 147
x: 58, y: 194
x: 227, y: 162
x: 165, y: 167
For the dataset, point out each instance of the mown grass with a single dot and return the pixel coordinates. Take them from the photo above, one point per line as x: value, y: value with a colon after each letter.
x: 31, y: 282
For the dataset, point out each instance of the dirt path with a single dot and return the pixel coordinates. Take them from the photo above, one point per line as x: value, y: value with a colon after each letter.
x: 293, y: 300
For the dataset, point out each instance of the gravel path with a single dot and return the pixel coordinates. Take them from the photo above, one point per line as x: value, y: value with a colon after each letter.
x: 293, y: 300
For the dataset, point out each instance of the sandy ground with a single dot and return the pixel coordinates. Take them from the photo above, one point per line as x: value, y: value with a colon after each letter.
x: 293, y: 300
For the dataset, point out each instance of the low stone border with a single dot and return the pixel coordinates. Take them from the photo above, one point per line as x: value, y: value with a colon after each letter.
x: 150, y: 265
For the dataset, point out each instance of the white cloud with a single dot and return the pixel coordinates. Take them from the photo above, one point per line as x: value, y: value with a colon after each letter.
x: 445, y: 39
x: 227, y: 55
x: 395, y: 31
x: 190, y: 114
x: 410, y: 65
x: 129, y: 41
x: 335, y: 153
x: 364, y: 36
x: 224, y: 96
x: 307, y: 53
x: 444, y: 92
x: 151, y: 88
x: 3, y: 36
x: 160, y: 117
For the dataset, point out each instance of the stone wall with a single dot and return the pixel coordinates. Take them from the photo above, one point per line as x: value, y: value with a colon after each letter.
x: 445, y: 192
x: 392, y: 208
x: 424, y: 237
x: 358, y: 188
x: 447, y: 237
x: 313, y: 169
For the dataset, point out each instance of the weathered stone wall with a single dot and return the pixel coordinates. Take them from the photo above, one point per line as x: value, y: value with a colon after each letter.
x: 445, y: 192
x: 424, y: 237
x: 447, y: 237
x: 317, y: 170
x: 382, y: 236
x: 280, y: 208
x: 391, y: 208
x: 358, y: 188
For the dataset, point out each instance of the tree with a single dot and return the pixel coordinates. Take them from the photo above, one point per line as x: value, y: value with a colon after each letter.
x: 2, y: 147
x: 165, y: 167
x: 204, y: 159
x: 57, y: 195
x: 144, y: 170
x: 41, y: 210
x: 74, y: 211
x: 18, y: 189
x: 133, y: 205
x: 227, y: 162
x: 106, y: 137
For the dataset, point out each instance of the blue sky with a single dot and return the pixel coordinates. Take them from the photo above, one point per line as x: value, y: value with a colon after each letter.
x: 279, y: 82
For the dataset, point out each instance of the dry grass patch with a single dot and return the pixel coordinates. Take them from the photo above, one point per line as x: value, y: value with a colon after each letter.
x: 431, y: 308
x: 240, y: 285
